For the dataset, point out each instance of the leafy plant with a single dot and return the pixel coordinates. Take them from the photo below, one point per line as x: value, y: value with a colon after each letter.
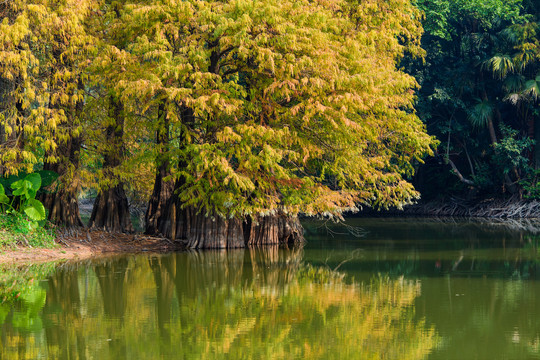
x: 531, y: 186
x: 23, y: 199
x: 16, y: 228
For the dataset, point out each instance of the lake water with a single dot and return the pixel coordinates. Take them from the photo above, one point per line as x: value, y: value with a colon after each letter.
x: 405, y: 289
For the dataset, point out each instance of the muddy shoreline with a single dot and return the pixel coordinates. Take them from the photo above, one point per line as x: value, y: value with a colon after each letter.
x: 84, y: 244
x: 80, y: 244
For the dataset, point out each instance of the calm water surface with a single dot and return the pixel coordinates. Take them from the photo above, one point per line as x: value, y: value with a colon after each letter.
x: 406, y: 289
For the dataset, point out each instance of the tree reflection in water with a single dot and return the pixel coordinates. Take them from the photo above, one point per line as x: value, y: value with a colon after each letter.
x: 253, y: 303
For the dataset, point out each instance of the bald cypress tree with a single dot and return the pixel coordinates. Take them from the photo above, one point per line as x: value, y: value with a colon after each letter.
x: 275, y: 108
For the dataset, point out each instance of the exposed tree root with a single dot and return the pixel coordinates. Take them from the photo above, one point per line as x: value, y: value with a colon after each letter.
x: 511, y: 208
x: 204, y: 231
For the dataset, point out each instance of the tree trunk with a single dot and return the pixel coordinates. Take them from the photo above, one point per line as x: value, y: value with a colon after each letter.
x: 111, y: 211
x: 63, y: 208
x: 62, y: 205
x: 111, y: 208
x: 158, y: 201
x: 163, y: 190
x: 273, y: 229
x: 200, y: 231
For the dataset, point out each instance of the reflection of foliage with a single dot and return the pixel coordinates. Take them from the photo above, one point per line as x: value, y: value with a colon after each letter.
x: 238, y: 305
x: 21, y: 302
x: 20, y: 282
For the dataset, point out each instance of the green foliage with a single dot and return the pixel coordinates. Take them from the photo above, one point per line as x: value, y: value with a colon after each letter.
x: 22, y: 216
x: 479, y: 91
x: 23, y: 198
x: 512, y: 149
x: 481, y: 113
x: 531, y: 185
x: 483, y: 177
x: 18, y: 229
x: 275, y: 106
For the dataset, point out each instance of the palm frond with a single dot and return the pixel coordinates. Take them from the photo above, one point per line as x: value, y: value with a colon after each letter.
x: 532, y: 87
x: 514, y: 83
x: 501, y: 65
x: 481, y: 113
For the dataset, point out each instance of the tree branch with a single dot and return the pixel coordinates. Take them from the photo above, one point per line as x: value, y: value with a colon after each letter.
x: 456, y: 172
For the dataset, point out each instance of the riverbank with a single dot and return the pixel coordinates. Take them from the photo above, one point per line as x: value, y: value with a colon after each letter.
x: 84, y: 244
x: 490, y: 208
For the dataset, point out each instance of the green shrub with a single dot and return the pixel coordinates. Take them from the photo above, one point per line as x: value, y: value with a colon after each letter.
x: 17, y: 229
x: 22, y: 216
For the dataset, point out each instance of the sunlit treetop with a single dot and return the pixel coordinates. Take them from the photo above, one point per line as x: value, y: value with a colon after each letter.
x: 279, y: 105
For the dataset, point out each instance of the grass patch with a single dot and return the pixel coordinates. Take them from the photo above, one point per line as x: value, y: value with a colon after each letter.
x: 16, y: 229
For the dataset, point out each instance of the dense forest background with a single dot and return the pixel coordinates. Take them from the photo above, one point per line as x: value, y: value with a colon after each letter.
x: 480, y: 84
x: 231, y: 118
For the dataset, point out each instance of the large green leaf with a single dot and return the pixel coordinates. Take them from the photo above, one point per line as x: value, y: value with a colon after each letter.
x: 8, y: 181
x: 481, y: 113
x: 21, y: 188
x: 35, y: 210
x: 3, y: 197
x: 35, y: 181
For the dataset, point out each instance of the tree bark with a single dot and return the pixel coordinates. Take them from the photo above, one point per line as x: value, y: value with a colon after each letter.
x: 163, y: 190
x: 111, y: 211
x: 273, y: 230
x: 62, y: 205
x: 111, y: 208
x: 200, y: 231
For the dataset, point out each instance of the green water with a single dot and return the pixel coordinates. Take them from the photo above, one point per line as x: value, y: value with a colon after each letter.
x: 406, y: 289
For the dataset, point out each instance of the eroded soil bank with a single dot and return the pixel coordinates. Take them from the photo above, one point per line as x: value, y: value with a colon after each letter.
x: 84, y: 244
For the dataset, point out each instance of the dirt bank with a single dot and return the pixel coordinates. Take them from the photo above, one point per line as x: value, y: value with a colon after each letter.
x: 84, y: 244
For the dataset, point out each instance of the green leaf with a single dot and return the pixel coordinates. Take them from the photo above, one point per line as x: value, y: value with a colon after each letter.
x: 20, y: 188
x: 35, y: 210
x: 35, y: 181
x: 3, y: 197
x: 481, y: 113
x: 532, y: 87
x: 8, y: 181
x: 19, y: 184
x: 23, y: 188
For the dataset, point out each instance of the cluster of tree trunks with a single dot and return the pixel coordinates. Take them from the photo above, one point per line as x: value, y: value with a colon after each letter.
x: 165, y: 215
x: 111, y: 208
x: 62, y: 205
x: 210, y: 231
